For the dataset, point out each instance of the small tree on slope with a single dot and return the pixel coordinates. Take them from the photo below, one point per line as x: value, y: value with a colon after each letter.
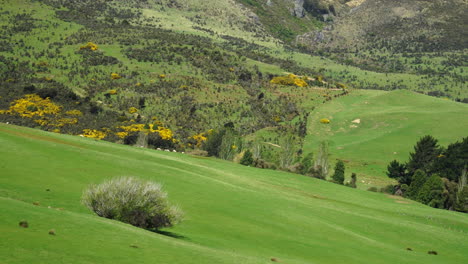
x: 338, y: 176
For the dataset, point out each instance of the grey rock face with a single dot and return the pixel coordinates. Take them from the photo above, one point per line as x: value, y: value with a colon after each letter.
x: 299, y: 8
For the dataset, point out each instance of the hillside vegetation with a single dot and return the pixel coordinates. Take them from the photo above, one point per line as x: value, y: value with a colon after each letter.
x: 234, y: 214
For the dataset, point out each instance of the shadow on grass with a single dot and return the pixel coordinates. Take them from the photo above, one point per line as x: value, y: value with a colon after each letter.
x: 169, y: 234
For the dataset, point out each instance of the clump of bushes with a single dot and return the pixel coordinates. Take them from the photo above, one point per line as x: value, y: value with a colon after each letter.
x: 133, y: 201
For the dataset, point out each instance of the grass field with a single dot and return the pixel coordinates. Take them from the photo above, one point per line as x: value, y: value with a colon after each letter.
x: 390, y: 125
x: 233, y: 214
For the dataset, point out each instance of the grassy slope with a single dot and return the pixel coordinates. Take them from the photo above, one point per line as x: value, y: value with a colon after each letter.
x: 391, y: 124
x: 234, y: 214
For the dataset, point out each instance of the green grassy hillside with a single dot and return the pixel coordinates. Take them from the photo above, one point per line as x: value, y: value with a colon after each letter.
x: 234, y: 214
x: 390, y: 125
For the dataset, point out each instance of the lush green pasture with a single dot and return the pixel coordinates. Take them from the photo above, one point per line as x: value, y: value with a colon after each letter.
x: 234, y: 214
x: 390, y: 125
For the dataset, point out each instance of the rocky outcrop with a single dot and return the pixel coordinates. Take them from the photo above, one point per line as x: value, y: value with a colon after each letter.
x: 299, y: 10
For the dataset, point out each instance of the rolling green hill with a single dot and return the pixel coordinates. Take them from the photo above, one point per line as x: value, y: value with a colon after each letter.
x: 386, y: 127
x: 234, y: 214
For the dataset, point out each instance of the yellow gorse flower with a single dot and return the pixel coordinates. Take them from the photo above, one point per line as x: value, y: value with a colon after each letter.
x: 32, y: 105
x: 199, y: 138
x: 93, y: 133
x: 115, y: 76
x: 291, y: 79
x: 90, y: 46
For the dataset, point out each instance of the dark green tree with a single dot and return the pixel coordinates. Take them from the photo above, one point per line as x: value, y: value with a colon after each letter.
x: 396, y: 170
x: 418, y: 180
x: 453, y: 160
x: 338, y: 176
x: 247, y: 159
x: 425, y: 153
x: 449, y: 194
x: 431, y: 192
x: 213, y: 143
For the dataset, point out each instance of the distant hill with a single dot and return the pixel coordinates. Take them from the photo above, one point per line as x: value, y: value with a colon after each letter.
x: 400, y: 25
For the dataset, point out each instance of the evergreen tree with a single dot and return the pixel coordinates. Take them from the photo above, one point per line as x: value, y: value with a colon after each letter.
x: 425, y: 153
x: 247, y: 159
x: 453, y: 160
x: 213, y: 143
x: 418, y: 180
x: 338, y: 176
x: 397, y: 171
x: 431, y: 192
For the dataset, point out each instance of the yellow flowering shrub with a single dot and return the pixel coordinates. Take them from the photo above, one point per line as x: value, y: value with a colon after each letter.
x: 290, y: 80
x: 112, y: 92
x: 74, y: 113
x: 164, y: 132
x: 122, y: 134
x: 162, y: 76
x: 90, y: 46
x: 199, y: 138
x: 43, y: 111
x: 300, y: 82
x: 133, y: 128
x: 66, y: 121
x: 93, y: 133
x: 325, y: 121
x: 132, y: 110
x: 32, y: 105
x: 115, y: 76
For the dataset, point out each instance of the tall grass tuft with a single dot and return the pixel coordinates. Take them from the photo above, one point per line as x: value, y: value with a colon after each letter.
x: 133, y: 201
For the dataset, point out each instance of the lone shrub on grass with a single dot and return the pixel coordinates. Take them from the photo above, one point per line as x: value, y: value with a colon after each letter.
x: 133, y: 201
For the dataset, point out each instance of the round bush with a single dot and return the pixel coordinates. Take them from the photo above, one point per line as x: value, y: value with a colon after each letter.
x: 130, y: 200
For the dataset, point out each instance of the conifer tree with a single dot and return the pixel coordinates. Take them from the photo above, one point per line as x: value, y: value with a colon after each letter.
x: 338, y: 176
x: 397, y: 171
x: 453, y: 160
x: 425, y: 153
